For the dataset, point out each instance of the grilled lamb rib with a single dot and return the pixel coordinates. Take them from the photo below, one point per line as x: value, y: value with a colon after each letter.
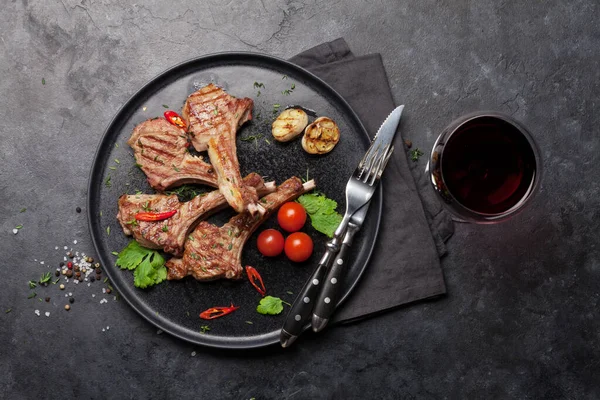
x: 212, y: 252
x: 160, y: 149
x: 170, y: 234
x: 213, y: 118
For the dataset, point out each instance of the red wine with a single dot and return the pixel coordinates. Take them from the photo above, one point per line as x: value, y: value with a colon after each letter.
x: 488, y: 165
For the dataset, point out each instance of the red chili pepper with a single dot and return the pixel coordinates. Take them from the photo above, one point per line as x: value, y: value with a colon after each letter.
x: 216, y: 312
x: 175, y: 119
x: 150, y: 216
x: 256, y: 280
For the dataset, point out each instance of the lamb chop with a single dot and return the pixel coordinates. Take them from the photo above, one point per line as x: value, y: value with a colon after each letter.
x: 213, y: 118
x: 170, y: 234
x: 160, y: 149
x: 212, y: 252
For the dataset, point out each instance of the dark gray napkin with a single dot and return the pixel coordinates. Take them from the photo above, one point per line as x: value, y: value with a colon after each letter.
x: 405, y: 265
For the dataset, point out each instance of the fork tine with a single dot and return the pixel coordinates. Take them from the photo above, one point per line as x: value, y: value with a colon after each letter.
x: 377, y: 167
x: 366, y: 162
x: 372, y: 159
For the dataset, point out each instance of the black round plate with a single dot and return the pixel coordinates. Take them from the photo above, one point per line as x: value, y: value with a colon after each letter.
x: 174, y: 306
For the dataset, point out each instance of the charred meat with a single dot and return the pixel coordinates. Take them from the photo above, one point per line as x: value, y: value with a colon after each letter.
x: 160, y: 151
x: 170, y: 234
x: 213, y: 118
x: 213, y: 252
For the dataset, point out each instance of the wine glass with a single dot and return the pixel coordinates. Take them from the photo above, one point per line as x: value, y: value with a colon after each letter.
x: 485, y: 166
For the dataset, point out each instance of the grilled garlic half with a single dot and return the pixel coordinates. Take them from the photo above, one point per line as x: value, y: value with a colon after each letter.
x: 321, y: 136
x: 289, y: 124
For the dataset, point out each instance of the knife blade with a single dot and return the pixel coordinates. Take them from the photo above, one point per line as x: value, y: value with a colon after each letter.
x: 327, y: 300
x: 378, y: 153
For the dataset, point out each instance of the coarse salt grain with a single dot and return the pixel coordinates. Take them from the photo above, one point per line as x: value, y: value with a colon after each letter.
x: 108, y: 327
x: 158, y: 332
x: 47, y: 313
x: 103, y: 290
x: 103, y: 301
x: 55, y: 247
x: 41, y: 262
x: 74, y: 241
x: 37, y: 312
x: 193, y: 354
x: 15, y: 231
x: 103, y: 330
x: 93, y: 295
x: 65, y: 247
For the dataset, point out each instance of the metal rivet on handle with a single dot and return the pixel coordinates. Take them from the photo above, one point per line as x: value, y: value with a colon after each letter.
x: 306, y: 300
x: 333, y: 281
x: 297, y: 317
x: 327, y: 300
x: 315, y: 282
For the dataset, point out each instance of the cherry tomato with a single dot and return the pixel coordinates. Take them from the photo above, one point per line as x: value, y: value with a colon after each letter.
x: 291, y: 216
x: 298, y: 246
x: 270, y: 242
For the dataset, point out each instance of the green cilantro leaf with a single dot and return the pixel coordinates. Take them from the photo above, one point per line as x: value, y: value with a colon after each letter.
x: 270, y: 305
x: 150, y: 271
x: 321, y: 211
x: 131, y: 256
x: 415, y: 154
x: 148, y: 265
x: 45, y: 278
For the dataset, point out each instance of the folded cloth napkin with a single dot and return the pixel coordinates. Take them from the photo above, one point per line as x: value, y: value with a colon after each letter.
x: 405, y: 265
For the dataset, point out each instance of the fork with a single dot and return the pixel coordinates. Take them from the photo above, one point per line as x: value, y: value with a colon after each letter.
x: 359, y: 190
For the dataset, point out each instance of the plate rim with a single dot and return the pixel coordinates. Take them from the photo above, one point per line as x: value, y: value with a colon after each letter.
x: 255, y: 341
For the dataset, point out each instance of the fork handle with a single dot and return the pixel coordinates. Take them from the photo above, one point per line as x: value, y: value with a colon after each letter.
x: 328, y: 297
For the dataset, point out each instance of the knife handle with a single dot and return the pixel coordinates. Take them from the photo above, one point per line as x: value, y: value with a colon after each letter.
x: 329, y: 294
x: 301, y: 311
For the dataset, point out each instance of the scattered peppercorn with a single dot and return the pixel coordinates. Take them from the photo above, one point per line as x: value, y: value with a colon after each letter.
x: 98, y: 277
x: 78, y: 209
x: 76, y: 268
x: 89, y: 259
x: 108, y: 291
x: 62, y: 264
x: 56, y: 273
x: 70, y: 254
x: 77, y: 274
x: 70, y: 265
x: 97, y: 265
x: 67, y: 307
x: 62, y: 287
x: 71, y: 300
x: 92, y: 279
x: 47, y: 299
x: 408, y: 143
x: 98, y: 271
x: 69, y: 273
x: 83, y: 269
x: 80, y: 279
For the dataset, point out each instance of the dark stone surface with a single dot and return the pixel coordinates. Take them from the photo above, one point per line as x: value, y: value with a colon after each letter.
x: 521, y: 317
